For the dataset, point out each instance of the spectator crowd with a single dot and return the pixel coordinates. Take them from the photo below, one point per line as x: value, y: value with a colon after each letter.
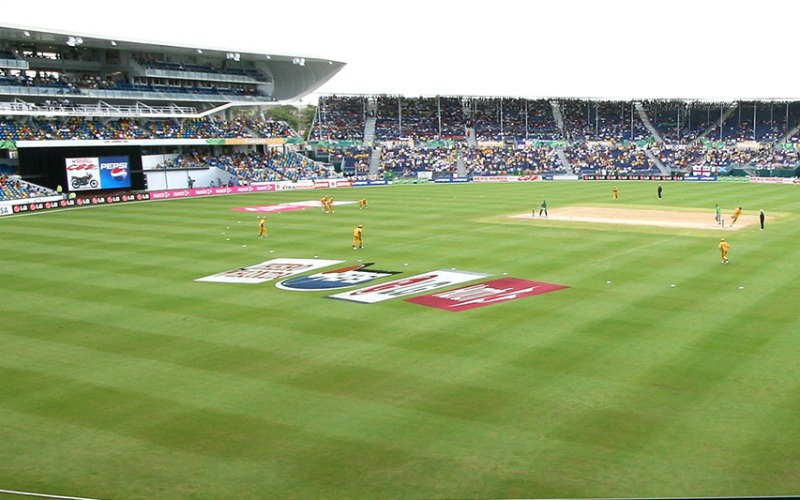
x: 384, y: 135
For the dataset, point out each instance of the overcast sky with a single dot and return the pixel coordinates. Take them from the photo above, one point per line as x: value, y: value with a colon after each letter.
x: 704, y: 49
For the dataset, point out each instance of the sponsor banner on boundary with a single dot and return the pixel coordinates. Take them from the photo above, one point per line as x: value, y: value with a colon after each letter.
x: 588, y: 177
x: 269, y: 270
x: 369, y: 182
x: 494, y: 178
x: 774, y: 180
x: 485, y: 294
x: 408, y: 286
x: 293, y: 186
x: 53, y: 202
x: 332, y: 183
x: 343, y: 277
x: 45, y: 202
x: 561, y: 177
x: 189, y: 193
x: 506, y: 178
x: 700, y: 178
x: 451, y: 180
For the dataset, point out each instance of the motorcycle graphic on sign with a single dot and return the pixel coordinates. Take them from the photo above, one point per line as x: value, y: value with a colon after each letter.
x: 80, y: 181
x: 83, y: 174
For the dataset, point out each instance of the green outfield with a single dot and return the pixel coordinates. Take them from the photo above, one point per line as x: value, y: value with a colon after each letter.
x: 122, y: 377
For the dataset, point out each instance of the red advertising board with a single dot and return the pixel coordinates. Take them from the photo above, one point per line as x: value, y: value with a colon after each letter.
x: 485, y: 294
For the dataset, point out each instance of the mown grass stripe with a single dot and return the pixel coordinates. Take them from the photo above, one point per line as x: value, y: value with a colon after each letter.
x: 602, y: 389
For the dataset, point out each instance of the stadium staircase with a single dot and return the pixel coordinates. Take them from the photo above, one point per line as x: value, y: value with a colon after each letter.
x: 472, y: 140
x: 749, y: 169
x: 718, y: 123
x: 375, y: 161
x: 559, y: 118
x: 370, y: 123
x: 461, y: 168
x: 655, y: 160
x: 469, y: 114
x: 788, y: 135
x: 562, y: 157
x: 647, y: 123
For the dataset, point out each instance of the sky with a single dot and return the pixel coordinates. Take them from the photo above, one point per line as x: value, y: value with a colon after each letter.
x: 613, y: 49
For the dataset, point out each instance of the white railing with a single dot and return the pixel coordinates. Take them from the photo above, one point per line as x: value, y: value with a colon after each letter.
x: 19, y: 107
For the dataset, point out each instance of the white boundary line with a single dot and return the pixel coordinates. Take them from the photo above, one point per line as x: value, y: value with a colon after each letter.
x: 43, y: 495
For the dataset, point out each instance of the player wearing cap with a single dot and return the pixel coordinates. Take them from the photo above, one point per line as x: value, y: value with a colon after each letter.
x: 357, y: 232
x: 724, y: 246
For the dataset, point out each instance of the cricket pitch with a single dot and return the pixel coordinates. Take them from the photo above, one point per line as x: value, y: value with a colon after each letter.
x: 639, y: 217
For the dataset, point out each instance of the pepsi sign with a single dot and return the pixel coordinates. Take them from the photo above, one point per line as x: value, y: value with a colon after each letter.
x: 114, y: 172
x: 105, y: 172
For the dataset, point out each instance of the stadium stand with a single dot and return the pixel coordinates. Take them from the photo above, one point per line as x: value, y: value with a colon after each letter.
x: 85, y: 95
x: 200, y: 109
x: 13, y: 188
x: 640, y: 137
x: 252, y: 167
x: 339, y: 118
x: 613, y: 122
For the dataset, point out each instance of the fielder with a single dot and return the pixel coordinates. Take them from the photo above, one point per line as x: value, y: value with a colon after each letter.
x: 262, y: 227
x: 357, y: 234
x: 723, y: 249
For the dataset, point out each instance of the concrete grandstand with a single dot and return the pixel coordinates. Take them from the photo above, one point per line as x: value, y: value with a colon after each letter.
x: 193, y: 117
x: 66, y: 95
